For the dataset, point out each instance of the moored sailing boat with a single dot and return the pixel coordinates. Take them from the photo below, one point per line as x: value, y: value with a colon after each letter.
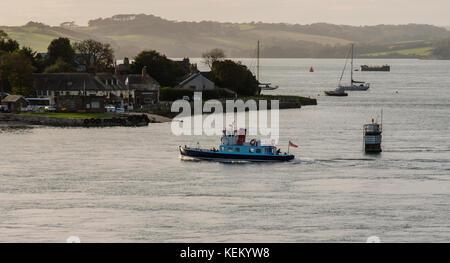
x: 262, y: 86
x: 354, y: 85
x: 338, y: 92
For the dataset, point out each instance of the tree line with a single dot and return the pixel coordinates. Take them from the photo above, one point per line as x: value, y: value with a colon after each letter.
x: 17, y: 65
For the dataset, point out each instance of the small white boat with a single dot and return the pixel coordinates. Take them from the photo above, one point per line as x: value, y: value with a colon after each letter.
x: 267, y: 86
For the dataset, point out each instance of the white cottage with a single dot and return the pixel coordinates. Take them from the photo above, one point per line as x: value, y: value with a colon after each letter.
x: 198, y: 82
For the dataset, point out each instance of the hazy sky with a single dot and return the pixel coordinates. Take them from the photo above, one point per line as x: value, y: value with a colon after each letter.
x: 353, y: 12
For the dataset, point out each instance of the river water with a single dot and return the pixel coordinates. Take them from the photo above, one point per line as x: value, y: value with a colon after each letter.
x: 129, y: 184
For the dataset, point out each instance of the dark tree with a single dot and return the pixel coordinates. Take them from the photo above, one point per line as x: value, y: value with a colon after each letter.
x: 7, y: 44
x: 212, y: 56
x: 17, y: 70
x: 236, y: 77
x: 60, y: 48
x: 60, y: 66
x: 96, y: 54
x: 162, y: 69
x: 36, y: 59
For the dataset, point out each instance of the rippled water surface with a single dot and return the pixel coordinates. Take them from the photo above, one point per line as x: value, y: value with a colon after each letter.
x: 129, y: 184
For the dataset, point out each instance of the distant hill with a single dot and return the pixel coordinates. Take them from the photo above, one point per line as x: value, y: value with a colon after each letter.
x: 129, y: 34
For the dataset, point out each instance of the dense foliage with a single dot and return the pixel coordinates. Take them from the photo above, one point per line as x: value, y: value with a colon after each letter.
x: 17, y: 70
x: 212, y: 56
x: 60, y: 48
x: 172, y: 94
x: 60, y: 66
x: 442, y: 49
x: 7, y: 44
x: 236, y: 77
x: 167, y: 72
x: 102, y: 55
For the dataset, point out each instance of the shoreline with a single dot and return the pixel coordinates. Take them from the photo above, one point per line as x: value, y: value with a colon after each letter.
x: 11, y: 120
x: 128, y: 119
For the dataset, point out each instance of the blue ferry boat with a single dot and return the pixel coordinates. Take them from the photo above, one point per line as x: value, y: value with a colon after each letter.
x: 235, y: 148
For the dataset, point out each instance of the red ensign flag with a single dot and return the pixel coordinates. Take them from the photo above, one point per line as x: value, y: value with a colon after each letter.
x: 292, y: 145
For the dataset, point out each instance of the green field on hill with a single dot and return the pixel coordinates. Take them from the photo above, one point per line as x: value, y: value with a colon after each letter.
x: 422, y: 52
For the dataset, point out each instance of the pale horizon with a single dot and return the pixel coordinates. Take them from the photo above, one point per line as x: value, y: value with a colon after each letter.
x: 343, y: 12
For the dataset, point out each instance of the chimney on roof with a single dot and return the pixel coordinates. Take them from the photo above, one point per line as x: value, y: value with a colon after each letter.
x: 193, y: 68
x: 144, y: 73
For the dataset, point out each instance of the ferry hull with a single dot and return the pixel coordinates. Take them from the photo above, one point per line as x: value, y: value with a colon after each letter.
x: 219, y: 156
x: 372, y: 143
x: 373, y: 148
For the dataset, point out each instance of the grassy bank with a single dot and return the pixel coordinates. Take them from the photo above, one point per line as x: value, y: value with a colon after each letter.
x: 286, y: 102
x: 303, y: 101
x: 71, y: 115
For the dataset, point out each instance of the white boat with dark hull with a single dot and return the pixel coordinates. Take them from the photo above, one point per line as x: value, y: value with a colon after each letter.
x: 338, y: 92
x: 267, y: 86
x: 235, y: 148
x: 262, y: 86
x: 354, y: 84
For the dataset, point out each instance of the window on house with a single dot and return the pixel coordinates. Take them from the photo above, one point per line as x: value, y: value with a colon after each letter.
x: 95, y: 104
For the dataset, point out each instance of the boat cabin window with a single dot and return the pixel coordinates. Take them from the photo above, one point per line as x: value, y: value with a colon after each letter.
x: 268, y: 150
x: 258, y: 150
x: 230, y: 149
x: 222, y: 149
x: 251, y: 150
x: 238, y: 149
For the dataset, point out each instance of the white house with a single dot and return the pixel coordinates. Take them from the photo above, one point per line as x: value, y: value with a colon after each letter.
x: 198, y: 82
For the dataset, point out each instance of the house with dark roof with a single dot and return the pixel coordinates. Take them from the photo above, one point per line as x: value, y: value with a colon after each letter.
x: 130, y: 89
x: 3, y: 95
x: 196, y: 81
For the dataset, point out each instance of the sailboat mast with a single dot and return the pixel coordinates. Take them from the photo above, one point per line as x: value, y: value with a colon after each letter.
x: 351, y: 68
x: 257, y: 62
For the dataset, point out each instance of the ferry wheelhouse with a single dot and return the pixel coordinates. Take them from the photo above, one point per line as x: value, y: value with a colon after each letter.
x: 235, y: 148
x: 372, y: 137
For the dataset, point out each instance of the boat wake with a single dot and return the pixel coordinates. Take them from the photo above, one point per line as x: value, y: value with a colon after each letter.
x: 303, y: 160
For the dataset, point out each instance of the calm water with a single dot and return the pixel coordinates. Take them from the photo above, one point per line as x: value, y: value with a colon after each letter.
x: 129, y: 184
